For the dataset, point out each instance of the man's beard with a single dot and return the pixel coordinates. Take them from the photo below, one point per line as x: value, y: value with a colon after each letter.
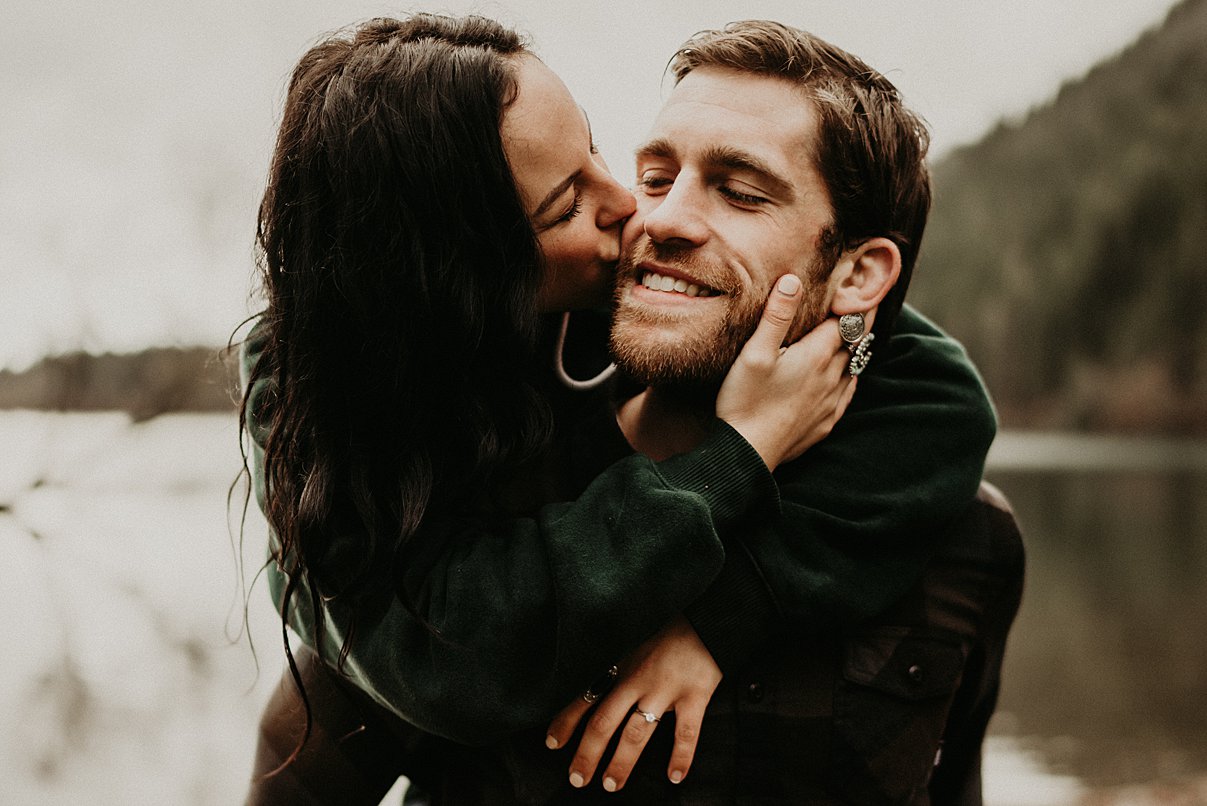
x: 708, y: 344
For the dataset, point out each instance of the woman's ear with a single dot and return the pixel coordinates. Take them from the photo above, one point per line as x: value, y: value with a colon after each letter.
x: 864, y: 275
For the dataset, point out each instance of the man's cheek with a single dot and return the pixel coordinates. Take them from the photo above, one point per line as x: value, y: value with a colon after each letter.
x: 633, y: 228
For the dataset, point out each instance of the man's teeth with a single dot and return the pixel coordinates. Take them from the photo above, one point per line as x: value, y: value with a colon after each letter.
x: 659, y: 282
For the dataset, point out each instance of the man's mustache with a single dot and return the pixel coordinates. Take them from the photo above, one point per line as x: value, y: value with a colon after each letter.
x: 683, y: 259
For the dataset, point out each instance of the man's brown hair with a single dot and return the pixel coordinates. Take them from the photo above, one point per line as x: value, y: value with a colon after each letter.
x: 871, y: 150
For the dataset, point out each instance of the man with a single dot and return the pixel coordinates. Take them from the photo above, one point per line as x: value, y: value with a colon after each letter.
x: 775, y: 154
x: 779, y: 154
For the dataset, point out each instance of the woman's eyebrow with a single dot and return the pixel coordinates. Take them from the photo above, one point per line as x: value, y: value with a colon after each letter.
x: 554, y: 194
x: 590, y: 134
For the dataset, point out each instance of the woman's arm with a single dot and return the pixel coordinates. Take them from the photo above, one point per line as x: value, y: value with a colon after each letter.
x: 505, y: 621
x: 497, y: 623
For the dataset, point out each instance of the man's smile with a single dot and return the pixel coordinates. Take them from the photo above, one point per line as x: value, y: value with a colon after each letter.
x: 673, y: 283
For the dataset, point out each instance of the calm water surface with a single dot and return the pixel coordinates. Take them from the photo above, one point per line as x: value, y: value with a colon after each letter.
x: 122, y: 686
x: 1106, y: 675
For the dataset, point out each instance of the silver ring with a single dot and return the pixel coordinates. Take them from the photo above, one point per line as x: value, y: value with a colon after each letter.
x: 647, y: 716
x: 590, y: 697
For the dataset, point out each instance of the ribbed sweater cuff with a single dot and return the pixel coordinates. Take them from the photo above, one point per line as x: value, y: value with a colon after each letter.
x: 737, y: 614
x: 727, y: 472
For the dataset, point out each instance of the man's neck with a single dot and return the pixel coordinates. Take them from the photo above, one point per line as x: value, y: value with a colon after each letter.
x: 662, y: 422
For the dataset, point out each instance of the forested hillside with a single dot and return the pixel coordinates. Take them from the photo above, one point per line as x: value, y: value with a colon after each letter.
x: 1068, y: 251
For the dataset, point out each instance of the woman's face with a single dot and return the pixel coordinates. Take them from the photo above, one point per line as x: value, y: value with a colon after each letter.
x: 575, y: 205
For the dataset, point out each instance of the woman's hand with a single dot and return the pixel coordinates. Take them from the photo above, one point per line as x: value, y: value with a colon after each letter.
x: 785, y: 400
x: 672, y: 671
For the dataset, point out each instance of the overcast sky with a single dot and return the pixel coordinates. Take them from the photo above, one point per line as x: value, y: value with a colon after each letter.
x: 134, y: 138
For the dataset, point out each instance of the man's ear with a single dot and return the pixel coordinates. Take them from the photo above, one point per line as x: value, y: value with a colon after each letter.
x: 864, y: 275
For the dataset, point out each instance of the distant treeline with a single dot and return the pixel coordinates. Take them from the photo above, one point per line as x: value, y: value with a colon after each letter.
x: 1069, y: 251
x: 145, y: 384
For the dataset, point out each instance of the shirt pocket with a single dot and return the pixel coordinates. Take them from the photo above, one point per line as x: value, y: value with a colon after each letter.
x: 890, y: 707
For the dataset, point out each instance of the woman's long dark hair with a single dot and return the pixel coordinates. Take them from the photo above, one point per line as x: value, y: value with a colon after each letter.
x: 401, y: 276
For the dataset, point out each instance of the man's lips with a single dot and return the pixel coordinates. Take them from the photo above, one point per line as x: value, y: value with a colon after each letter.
x: 667, y: 280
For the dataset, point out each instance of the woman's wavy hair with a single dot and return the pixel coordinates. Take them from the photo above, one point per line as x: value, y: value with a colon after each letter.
x: 871, y: 149
x: 400, y: 274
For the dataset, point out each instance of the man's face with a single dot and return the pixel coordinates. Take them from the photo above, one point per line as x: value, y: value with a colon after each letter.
x: 728, y: 200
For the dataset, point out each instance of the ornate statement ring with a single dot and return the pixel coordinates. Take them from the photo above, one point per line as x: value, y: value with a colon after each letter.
x: 861, y: 354
x: 851, y: 327
x: 600, y: 686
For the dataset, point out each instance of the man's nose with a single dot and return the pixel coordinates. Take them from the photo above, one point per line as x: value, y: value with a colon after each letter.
x: 679, y: 217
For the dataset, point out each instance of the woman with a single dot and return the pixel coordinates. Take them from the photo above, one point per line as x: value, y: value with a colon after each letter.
x: 434, y: 190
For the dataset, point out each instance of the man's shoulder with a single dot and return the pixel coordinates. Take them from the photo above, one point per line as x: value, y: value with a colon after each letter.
x: 912, y: 323
x: 919, y: 373
x: 917, y: 342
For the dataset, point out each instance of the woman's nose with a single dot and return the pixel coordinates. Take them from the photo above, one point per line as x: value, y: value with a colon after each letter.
x: 618, y: 203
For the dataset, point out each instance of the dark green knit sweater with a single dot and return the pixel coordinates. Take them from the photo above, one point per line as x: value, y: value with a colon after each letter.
x: 528, y: 611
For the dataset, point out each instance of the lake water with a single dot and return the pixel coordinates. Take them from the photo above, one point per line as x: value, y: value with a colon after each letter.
x: 121, y: 684
x: 1106, y: 676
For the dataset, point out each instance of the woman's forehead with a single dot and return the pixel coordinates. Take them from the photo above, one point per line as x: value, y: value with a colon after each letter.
x: 544, y: 130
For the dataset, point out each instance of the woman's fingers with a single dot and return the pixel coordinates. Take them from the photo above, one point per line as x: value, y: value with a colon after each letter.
x: 783, y: 402
x: 689, y: 717
x: 637, y: 731
x: 602, y: 725
x: 821, y: 347
x: 778, y: 313
x: 671, y: 671
x: 563, y: 725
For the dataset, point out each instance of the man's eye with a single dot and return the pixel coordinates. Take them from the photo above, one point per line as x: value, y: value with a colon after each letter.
x: 653, y: 182
x: 740, y: 197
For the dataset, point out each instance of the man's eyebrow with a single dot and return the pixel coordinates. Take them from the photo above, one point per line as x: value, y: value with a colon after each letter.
x: 555, y: 194
x: 658, y: 147
x: 737, y: 160
x: 728, y: 157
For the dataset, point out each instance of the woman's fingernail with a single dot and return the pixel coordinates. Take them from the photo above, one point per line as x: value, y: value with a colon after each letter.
x: 610, y: 784
x: 551, y: 742
x: 676, y: 777
x: 576, y: 780
x: 789, y: 284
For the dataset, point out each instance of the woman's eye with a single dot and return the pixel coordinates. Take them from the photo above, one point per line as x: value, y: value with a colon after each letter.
x: 740, y: 197
x: 574, y: 210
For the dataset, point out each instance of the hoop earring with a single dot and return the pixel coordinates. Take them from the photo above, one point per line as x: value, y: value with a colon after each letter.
x: 559, y: 367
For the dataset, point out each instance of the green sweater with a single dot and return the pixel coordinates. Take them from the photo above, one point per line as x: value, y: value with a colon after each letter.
x: 528, y: 611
